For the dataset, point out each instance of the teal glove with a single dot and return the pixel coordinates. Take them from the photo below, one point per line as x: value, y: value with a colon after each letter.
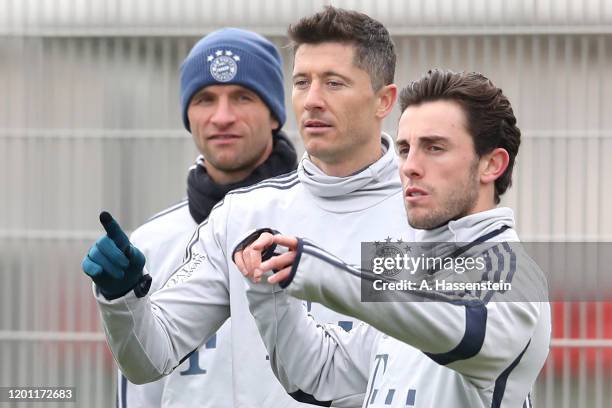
x: 114, y: 264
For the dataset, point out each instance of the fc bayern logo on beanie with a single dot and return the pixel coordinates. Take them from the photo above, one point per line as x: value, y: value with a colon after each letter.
x: 223, y: 65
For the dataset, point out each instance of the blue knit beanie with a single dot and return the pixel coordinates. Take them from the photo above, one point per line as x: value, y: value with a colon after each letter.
x: 235, y: 56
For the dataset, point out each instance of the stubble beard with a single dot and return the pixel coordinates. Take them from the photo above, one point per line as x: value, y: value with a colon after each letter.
x: 237, y: 162
x: 456, y: 204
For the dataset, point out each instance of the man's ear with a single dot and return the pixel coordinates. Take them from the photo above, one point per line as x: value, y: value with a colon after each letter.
x: 493, y: 165
x: 274, y: 125
x: 386, y: 96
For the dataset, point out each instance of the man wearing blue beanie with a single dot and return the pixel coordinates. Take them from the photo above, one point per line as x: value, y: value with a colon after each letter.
x: 232, y: 102
x: 235, y: 56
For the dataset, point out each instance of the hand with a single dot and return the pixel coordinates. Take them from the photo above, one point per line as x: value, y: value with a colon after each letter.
x: 113, y: 263
x: 250, y: 264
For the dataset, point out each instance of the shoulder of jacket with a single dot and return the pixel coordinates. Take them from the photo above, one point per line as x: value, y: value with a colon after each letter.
x: 274, y: 189
x: 279, y: 183
x: 172, y: 220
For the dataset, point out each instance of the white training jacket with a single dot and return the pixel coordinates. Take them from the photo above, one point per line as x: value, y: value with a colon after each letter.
x: 467, y: 352
x: 149, y: 336
x: 205, y: 378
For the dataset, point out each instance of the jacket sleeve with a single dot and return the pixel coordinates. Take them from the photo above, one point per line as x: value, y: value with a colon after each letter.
x: 474, y: 337
x: 150, y: 394
x: 317, y: 364
x: 152, y: 335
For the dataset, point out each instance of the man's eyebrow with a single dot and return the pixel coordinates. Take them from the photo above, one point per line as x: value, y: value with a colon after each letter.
x: 201, y: 92
x: 422, y: 139
x: 433, y: 138
x: 324, y: 74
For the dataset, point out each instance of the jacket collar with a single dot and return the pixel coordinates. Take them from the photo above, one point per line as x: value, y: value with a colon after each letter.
x: 472, y: 227
x: 358, y: 191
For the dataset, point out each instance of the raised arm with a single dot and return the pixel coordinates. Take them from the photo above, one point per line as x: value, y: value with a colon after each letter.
x: 477, y: 338
x: 150, y: 335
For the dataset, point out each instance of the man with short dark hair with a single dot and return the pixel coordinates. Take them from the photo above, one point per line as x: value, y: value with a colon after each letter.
x: 425, y: 346
x: 374, y: 52
x: 346, y: 190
